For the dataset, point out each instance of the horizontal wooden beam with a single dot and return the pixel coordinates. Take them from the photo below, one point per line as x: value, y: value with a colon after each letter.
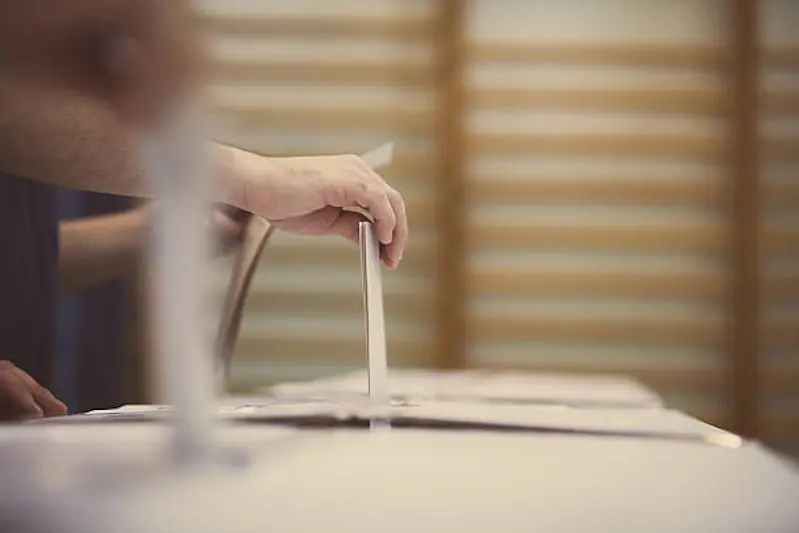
x: 781, y: 194
x: 341, y: 72
x: 783, y: 241
x: 780, y: 102
x: 309, y: 349
x: 781, y: 378
x: 592, y: 283
x: 660, y: 332
x: 622, y: 191
x: 784, y: 429
x: 329, y: 26
x: 781, y: 149
x: 697, y: 238
x: 781, y: 287
x: 782, y: 57
x: 333, y: 118
x: 598, y: 145
x: 637, y: 55
x: 781, y: 333
x: 697, y: 101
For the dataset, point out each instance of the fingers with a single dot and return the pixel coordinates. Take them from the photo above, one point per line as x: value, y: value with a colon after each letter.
x: 22, y: 397
x: 16, y: 400
x: 47, y: 402
x: 43, y: 397
x: 396, y: 248
x: 387, y: 207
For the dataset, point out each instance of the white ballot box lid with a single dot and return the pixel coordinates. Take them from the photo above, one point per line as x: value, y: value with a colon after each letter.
x: 547, y: 388
x: 404, y: 480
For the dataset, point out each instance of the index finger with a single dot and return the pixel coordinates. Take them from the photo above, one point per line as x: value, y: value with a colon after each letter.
x: 396, y: 248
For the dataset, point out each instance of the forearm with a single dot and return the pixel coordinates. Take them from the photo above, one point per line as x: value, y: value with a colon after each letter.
x: 98, y: 249
x: 74, y: 142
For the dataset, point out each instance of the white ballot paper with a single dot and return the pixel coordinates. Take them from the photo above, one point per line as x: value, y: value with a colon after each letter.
x: 374, y: 316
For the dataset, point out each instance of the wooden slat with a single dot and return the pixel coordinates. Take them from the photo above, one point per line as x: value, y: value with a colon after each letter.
x: 695, y: 238
x: 338, y: 72
x: 781, y: 241
x: 781, y: 287
x: 607, y: 145
x: 637, y: 55
x: 781, y: 194
x: 334, y: 26
x: 700, y: 101
x: 451, y: 256
x: 661, y: 378
x: 307, y: 118
x: 781, y: 379
x: 684, y: 332
x: 780, y: 102
x: 509, y: 281
x: 783, y: 428
x: 632, y: 191
x: 782, y: 149
x: 783, y: 57
x: 781, y: 333
x: 309, y: 349
x: 397, y: 304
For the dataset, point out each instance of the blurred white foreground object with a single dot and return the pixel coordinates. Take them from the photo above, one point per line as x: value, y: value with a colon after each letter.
x: 176, y: 162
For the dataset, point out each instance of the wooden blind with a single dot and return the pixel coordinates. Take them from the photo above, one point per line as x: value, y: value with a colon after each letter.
x: 573, y: 175
x: 599, y: 187
x: 299, y: 77
x: 779, y: 127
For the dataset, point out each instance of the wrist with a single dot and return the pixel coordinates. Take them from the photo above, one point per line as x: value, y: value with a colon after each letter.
x: 248, y: 179
x: 232, y: 176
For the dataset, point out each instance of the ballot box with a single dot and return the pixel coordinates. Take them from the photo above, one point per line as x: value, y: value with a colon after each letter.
x: 449, y: 452
x: 484, y: 386
x: 479, y: 468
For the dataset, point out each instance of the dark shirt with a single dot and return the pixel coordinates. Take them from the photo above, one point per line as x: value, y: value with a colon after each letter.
x: 28, y: 275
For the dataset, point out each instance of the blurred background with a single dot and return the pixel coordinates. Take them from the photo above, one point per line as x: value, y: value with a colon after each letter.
x: 594, y: 186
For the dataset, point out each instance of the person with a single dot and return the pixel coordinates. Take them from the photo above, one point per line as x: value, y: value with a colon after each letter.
x: 67, y: 119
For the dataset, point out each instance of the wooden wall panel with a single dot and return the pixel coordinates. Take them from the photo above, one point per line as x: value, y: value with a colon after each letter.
x: 599, y: 147
x: 779, y: 167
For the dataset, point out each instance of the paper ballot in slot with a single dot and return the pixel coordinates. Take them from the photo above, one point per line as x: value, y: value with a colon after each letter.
x: 374, y: 317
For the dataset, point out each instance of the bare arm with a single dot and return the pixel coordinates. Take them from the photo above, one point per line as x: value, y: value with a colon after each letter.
x: 98, y: 249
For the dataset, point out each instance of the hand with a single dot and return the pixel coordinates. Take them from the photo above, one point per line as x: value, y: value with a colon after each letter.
x: 22, y: 398
x: 306, y: 195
